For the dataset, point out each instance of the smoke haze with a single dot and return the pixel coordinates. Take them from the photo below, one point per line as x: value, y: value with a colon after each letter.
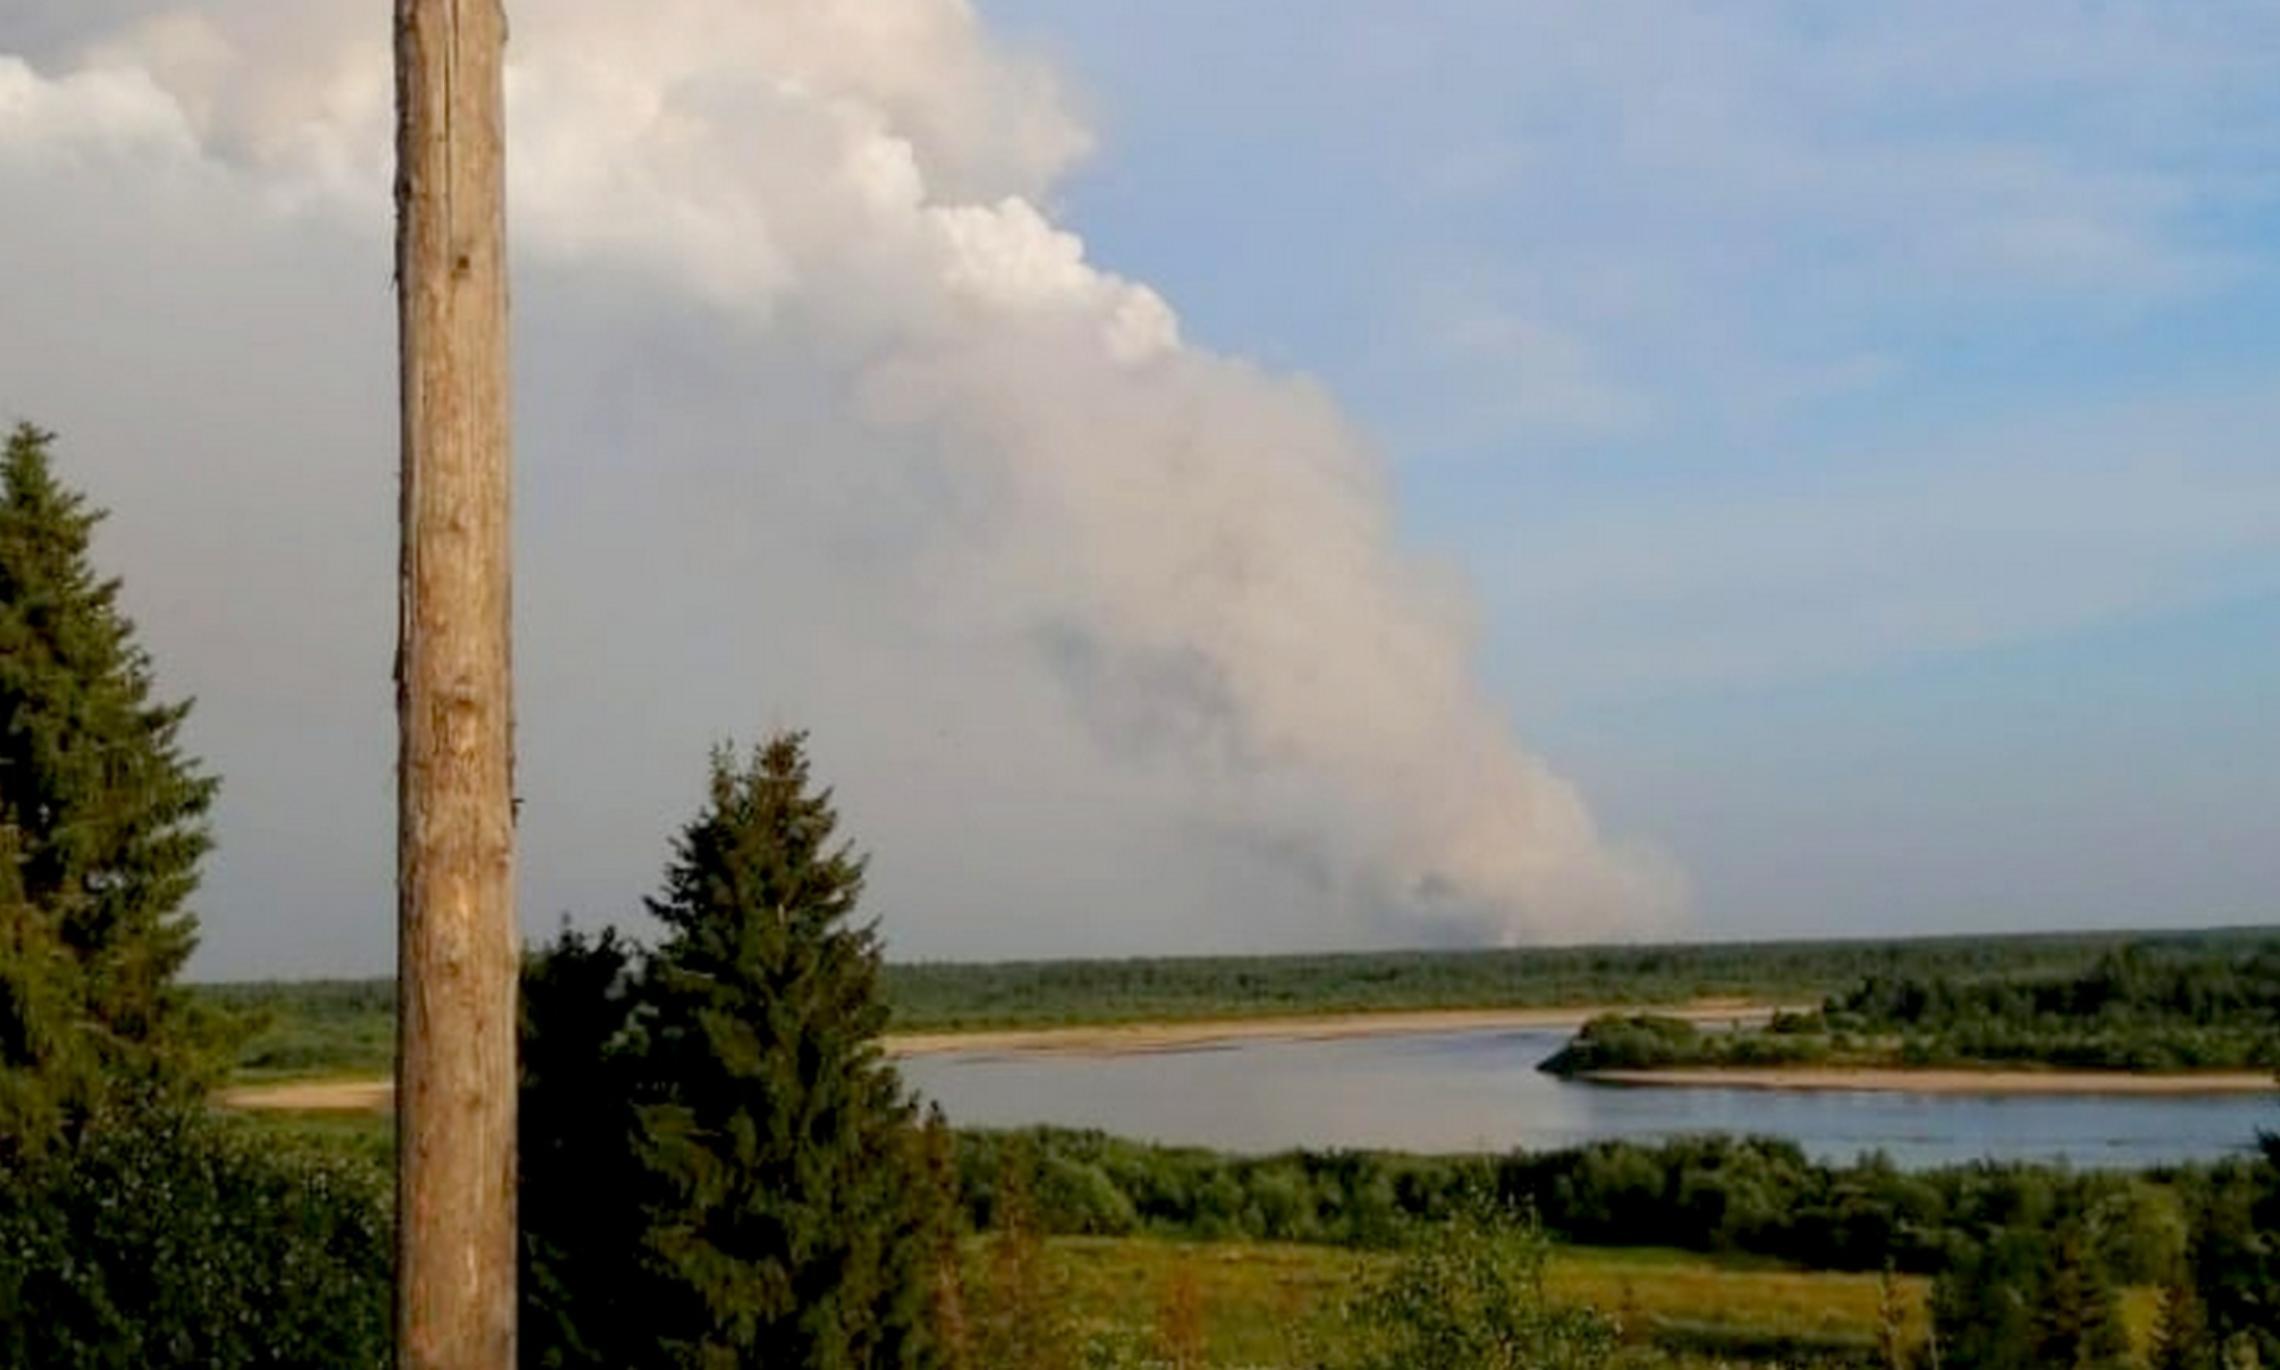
x: 825, y: 421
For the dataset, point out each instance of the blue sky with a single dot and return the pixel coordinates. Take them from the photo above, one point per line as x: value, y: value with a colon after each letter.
x: 1861, y: 424
x: 1228, y: 476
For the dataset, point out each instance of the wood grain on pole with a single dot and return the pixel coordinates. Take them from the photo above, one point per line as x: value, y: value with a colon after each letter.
x: 458, y: 945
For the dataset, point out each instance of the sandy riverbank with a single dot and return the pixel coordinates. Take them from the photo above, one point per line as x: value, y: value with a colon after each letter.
x: 1906, y: 1080
x: 373, y: 1094
x: 368, y: 1095
x: 313, y: 1096
x: 1120, y: 1038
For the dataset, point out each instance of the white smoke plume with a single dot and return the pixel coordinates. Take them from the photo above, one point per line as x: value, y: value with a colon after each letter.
x: 1199, y: 553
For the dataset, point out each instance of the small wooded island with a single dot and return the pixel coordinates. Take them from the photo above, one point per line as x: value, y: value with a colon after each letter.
x: 2188, y: 1014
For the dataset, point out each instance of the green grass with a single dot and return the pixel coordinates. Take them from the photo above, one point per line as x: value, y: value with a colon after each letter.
x: 1266, y: 1304
x: 368, y: 1136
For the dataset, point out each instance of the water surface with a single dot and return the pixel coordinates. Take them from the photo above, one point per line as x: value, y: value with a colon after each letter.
x: 1481, y: 1091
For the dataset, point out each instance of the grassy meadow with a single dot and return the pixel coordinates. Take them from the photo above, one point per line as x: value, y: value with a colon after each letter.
x: 1254, y: 1304
x: 1262, y: 1304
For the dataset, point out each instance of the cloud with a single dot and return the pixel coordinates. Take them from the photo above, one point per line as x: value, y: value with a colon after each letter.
x: 114, y: 114
x: 824, y: 419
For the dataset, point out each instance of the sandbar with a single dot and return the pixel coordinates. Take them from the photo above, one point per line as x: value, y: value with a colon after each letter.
x: 1110, y: 1039
x: 373, y: 1094
x: 1943, y: 1080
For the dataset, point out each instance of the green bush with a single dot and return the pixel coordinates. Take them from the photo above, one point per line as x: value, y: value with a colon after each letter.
x: 1470, y: 1296
x: 1087, y: 1201
x: 1744, y: 1195
x: 181, y: 1239
x: 1618, y: 1041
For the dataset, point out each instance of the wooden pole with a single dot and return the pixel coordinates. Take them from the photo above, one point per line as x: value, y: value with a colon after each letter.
x: 458, y: 946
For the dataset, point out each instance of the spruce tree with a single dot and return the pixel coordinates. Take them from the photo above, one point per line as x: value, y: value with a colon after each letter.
x: 789, y: 1219
x: 2181, y: 1329
x: 585, y: 1281
x: 1985, y: 1302
x: 944, y: 1215
x: 2236, y: 1254
x: 44, y: 1057
x: 102, y: 823
x: 2080, y: 1314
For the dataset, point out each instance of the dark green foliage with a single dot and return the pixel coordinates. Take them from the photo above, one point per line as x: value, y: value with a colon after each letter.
x: 584, y: 1280
x: 2146, y: 1008
x: 134, y: 1229
x: 2236, y: 1253
x: 310, y: 1026
x: 2181, y: 1339
x: 2030, y: 1298
x: 102, y: 826
x: 2080, y: 1327
x: 2159, y: 1005
x: 1624, y: 1041
x: 782, y: 1138
x: 942, y: 995
x: 176, y: 1239
x: 348, y: 1025
x: 722, y: 1167
x: 1469, y: 1295
x: 1984, y: 1307
x: 1744, y: 1196
x: 366, y: 1138
x: 1618, y: 1041
x: 1686, y: 1345
x: 943, y: 1219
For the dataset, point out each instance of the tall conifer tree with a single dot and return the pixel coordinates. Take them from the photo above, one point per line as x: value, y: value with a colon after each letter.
x: 102, y: 821
x: 791, y: 1219
x: 2181, y: 1329
x: 2080, y: 1310
x: 587, y: 1284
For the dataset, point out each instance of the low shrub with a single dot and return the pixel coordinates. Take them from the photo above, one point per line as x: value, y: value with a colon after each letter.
x: 185, y: 1239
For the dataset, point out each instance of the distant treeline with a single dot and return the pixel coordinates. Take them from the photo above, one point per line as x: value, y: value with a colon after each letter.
x: 346, y: 1025
x: 301, y: 1026
x: 2154, y: 1006
x: 944, y: 994
x: 1752, y: 1196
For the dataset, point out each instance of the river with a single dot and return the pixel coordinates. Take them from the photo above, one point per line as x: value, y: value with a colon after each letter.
x: 1481, y: 1091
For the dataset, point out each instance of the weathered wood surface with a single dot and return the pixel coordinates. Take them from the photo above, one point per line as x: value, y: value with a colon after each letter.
x: 457, y: 940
